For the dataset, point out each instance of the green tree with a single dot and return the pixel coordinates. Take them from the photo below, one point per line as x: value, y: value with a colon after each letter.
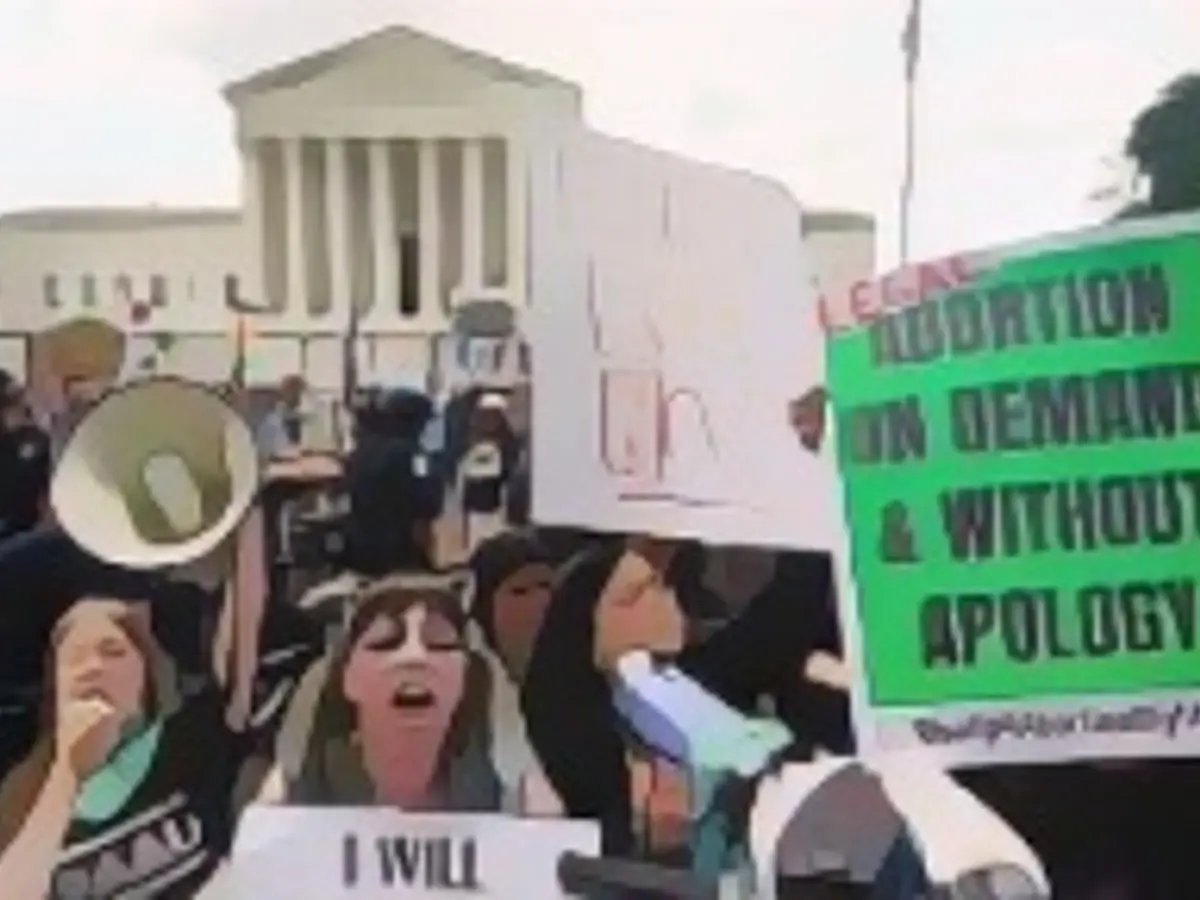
x: 1164, y: 145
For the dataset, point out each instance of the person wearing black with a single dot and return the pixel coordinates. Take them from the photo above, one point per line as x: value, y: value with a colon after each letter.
x: 395, y: 495
x: 485, y: 470
x: 567, y: 698
x: 129, y: 786
x: 25, y: 466
x: 518, y: 503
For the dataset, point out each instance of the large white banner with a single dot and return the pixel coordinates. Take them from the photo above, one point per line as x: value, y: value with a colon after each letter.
x: 675, y: 332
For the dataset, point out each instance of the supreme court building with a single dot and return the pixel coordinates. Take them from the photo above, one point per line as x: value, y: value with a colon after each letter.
x: 387, y: 175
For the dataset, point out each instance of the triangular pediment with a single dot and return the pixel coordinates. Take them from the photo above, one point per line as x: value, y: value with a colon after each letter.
x: 395, y: 65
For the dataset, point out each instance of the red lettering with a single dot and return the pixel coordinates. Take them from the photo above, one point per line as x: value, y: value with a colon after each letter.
x: 930, y: 280
x: 957, y: 268
x: 896, y: 289
x: 900, y: 288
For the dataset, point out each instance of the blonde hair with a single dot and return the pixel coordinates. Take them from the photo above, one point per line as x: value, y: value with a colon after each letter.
x: 20, y: 788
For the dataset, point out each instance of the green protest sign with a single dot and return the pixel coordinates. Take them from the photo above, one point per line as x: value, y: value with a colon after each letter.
x: 1020, y: 458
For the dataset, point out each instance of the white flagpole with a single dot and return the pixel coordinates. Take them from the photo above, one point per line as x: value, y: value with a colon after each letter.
x: 912, y: 56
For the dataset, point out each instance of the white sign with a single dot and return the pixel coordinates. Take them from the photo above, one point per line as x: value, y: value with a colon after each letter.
x: 674, y: 323
x: 375, y: 853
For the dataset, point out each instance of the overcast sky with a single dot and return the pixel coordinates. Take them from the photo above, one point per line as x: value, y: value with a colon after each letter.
x: 116, y: 101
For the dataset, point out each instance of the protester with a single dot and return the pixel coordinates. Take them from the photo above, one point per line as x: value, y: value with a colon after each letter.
x: 566, y: 698
x: 484, y: 471
x: 73, y: 364
x: 619, y: 598
x: 513, y: 579
x: 395, y: 496
x: 519, y: 499
x: 44, y: 573
x: 25, y: 465
x: 402, y: 717
x: 282, y: 430
x: 117, y: 767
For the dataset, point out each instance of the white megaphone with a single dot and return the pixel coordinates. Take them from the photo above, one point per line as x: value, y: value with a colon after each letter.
x: 158, y: 474
x: 841, y: 816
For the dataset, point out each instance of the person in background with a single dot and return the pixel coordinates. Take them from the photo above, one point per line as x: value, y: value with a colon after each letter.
x: 484, y: 471
x: 25, y: 465
x: 513, y: 581
x: 457, y: 412
x: 80, y: 394
x: 72, y: 365
x: 433, y: 438
x: 7, y: 382
x: 395, y: 495
x: 518, y: 501
x: 281, y: 433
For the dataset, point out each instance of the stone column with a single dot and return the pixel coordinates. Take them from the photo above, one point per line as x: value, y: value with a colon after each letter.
x: 385, y: 250
x: 297, y: 263
x: 472, y: 214
x: 517, y: 226
x: 255, y: 290
x: 337, y: 212
x: 429, y: 234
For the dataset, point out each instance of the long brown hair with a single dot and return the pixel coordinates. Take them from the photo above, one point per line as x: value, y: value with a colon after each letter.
x: 20, y: 789
x: 332, y: 770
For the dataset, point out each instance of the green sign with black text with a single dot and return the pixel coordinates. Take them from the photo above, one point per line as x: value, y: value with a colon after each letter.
x: 1021, y: 463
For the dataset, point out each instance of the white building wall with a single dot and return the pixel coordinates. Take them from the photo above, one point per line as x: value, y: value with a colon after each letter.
x: 195, y: 253
x: 56, y: 265
x: 399, y: 157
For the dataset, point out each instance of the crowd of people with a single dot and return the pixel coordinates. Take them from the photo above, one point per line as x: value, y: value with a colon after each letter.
x: 447, y: 655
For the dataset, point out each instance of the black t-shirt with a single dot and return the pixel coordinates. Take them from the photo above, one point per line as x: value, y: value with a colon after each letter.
x: 392, y: 488
x: 25, y: 466
x: 176, y: 827
x: 520, y: 488
x: 485, y: 469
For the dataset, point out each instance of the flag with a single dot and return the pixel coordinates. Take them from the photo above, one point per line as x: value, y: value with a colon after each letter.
x: 910, y: 42
x: 911, y: 46
x: 237, y: 373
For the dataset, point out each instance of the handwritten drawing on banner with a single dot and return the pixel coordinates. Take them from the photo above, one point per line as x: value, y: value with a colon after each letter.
x: 674, y: 328
x: 373, y: 853
x: 1019, y: 456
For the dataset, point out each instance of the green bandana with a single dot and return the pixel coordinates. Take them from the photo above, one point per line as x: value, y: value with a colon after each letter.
x: 107, y: 789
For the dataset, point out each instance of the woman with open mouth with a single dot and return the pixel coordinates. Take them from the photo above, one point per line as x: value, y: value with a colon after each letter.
x: 402, y: 719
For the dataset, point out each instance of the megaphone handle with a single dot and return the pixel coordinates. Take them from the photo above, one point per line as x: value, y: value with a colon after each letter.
x: 590, y: 877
